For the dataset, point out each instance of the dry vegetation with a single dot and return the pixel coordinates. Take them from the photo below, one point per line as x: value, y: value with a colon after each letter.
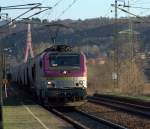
x: 131, y: 78
x: 99, y: 76
x: 129, y: 66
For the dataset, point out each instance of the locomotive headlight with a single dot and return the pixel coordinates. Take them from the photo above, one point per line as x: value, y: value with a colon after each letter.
x: 81, y: 82
x: 49, y: 83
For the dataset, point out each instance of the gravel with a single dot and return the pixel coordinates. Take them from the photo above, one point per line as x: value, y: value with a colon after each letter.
x: 119, y: 117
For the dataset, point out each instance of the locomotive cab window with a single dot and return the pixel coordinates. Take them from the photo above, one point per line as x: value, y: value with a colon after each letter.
x: 65, y: 60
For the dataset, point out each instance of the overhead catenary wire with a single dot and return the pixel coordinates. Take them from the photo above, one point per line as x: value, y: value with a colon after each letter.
x: 55, y: 5
x: 37, y: 5
x: 31, y: 4
x: 139, y: 7
x: 37, y: 13
x: 25, y: 12
x: 53, y: 38
x: 52, y: 7
x: 107, y: 12
x: 139, y: 3
x: 69, y: 6
x: 24, y: 8
x: 135, y: 15
x: 133, y: 6
x: 134, y: 2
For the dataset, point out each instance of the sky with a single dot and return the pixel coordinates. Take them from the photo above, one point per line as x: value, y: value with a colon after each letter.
x: 81, y: 9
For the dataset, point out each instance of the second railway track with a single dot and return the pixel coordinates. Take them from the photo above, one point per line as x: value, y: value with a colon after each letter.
x: 136, y: 109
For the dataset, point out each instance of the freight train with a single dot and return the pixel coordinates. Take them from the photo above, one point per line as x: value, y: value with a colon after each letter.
x: 57, y: 76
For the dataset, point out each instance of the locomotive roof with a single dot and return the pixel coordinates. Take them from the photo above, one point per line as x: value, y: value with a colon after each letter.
x: 56, y: 52
x: 59, y: 48
x: 56, y: 49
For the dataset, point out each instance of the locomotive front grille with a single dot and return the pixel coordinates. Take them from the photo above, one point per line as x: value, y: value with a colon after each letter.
x: 69, y: 92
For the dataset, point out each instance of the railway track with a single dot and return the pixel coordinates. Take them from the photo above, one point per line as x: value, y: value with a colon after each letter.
x: 125, y: 105
x: 82, y: 120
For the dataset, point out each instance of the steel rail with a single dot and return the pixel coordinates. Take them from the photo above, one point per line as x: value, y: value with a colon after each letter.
x: 105, y: 122
x: 68, y: 119
x: 82, y: 126
x: 135, y: 109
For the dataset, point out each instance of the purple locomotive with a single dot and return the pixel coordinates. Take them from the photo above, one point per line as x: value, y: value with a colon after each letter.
x: 57, y: 76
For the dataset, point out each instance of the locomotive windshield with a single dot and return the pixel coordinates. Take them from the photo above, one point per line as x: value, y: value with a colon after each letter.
x: 65, y: 60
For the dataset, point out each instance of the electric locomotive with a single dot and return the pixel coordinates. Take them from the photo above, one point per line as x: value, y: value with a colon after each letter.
x: 57, y: 76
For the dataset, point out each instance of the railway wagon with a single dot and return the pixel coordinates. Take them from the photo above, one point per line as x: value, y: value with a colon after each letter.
x: 57, y: 76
